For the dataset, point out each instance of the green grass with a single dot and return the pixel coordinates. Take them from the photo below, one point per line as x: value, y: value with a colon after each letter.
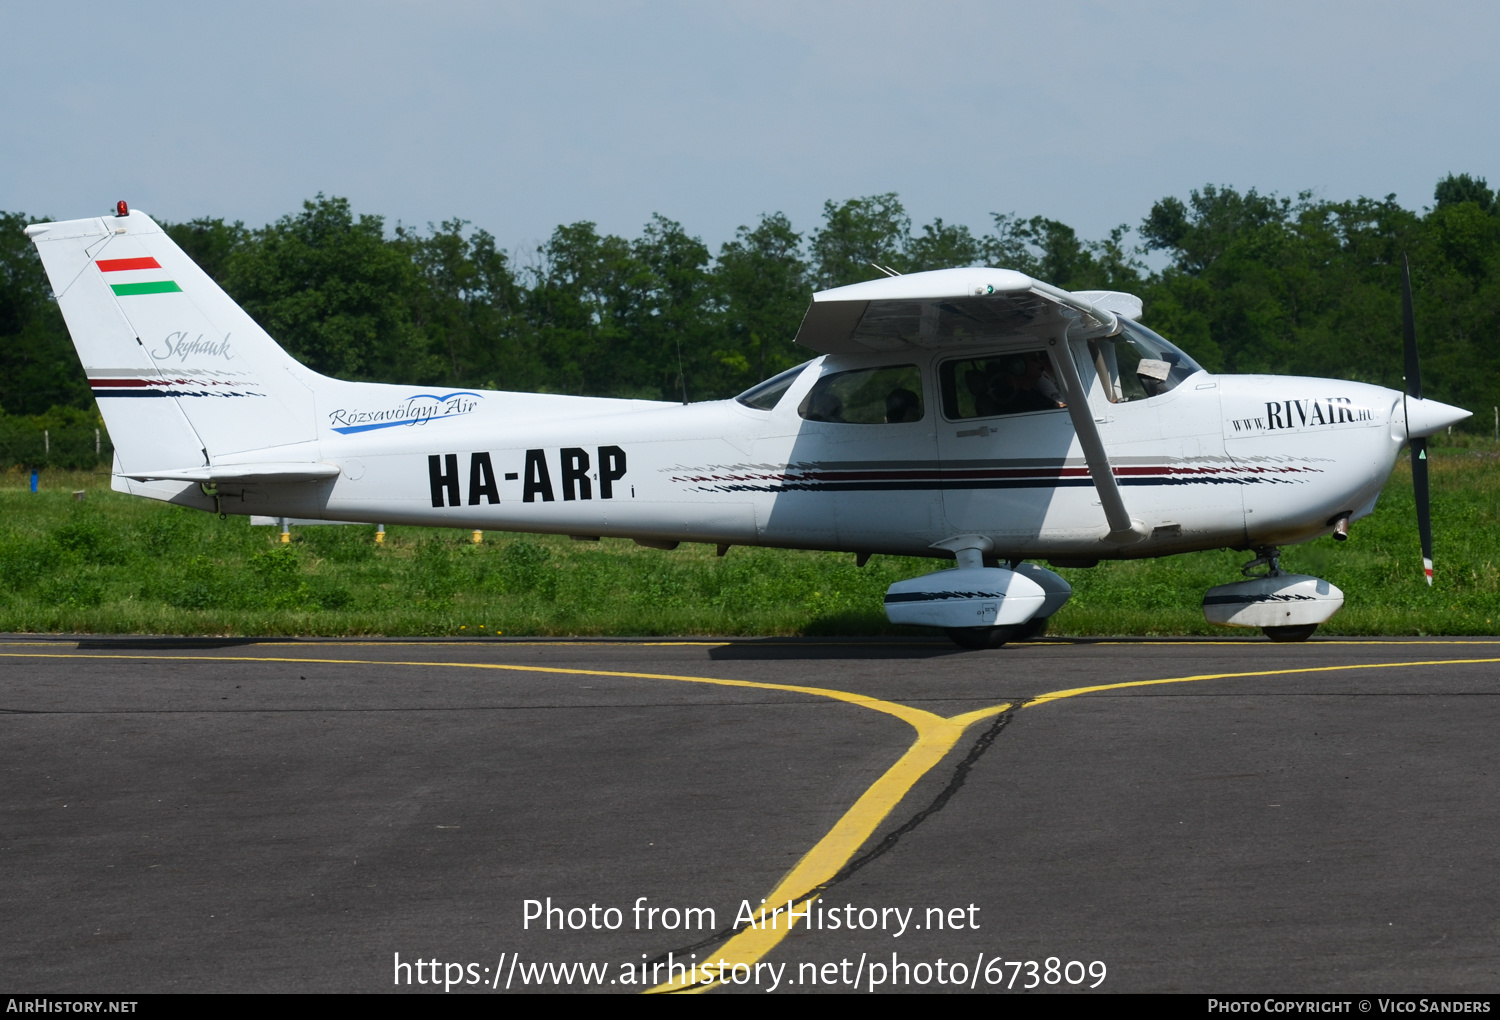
x: 115, y: 564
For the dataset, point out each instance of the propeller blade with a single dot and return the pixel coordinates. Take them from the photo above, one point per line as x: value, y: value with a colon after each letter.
x: 1420, y: 486
x: 1409, y: 332
x: 1424, y: 507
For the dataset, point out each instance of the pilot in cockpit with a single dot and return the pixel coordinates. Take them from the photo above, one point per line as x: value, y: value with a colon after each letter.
x: 992, y: 388
x: 1037, y: 383
x: 1013, y: 384
x: 902, y: 405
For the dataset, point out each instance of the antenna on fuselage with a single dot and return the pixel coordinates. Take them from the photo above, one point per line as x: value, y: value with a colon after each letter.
x: 884, y: 269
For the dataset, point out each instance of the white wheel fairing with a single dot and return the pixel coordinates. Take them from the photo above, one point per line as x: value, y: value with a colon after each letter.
x: 1286, y: 600
x: 962, y: 598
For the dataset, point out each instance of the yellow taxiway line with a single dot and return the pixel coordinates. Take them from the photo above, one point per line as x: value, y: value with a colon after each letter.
x: 936, y: 736
x: 723, y: 643
x: 750, y: 944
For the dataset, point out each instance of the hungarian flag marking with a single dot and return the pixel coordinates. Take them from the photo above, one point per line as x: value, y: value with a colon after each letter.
x: 150, y: 287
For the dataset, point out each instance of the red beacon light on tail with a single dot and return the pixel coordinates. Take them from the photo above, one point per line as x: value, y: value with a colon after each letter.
x: 121, y: 209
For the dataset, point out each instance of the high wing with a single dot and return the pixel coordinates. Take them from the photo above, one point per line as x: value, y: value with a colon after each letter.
x: 955, y: 307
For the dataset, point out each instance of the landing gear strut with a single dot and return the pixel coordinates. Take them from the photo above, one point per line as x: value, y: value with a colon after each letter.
x: 1268, y: 556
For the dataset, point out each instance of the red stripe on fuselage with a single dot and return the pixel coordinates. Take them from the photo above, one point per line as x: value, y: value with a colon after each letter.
x: 120, y: 265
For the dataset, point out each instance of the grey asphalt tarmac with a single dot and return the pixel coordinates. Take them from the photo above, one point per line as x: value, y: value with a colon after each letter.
x: 290, y: 816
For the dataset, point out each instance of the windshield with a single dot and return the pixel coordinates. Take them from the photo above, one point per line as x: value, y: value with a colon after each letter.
x: 1136, y: 363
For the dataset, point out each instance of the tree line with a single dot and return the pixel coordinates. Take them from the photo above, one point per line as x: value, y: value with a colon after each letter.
x: 1247, y: 283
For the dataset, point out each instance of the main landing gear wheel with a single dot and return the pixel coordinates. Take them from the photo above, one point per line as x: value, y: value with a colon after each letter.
x: 997, y: 637
x: 1301, y: 633
x: 976, y: 638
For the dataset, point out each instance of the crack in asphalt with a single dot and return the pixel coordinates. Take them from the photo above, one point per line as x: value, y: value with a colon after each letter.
x: 955, y: 783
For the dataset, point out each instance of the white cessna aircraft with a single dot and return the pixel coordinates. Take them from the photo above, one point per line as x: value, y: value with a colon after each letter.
x: 971, y: 414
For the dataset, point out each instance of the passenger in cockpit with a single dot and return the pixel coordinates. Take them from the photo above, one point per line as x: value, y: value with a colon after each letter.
x: 825, y: 406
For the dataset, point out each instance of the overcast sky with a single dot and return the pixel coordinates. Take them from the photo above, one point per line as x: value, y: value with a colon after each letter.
x: 519, y: 117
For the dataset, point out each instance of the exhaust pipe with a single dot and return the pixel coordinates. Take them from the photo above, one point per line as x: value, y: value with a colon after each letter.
x: 1340, y: 527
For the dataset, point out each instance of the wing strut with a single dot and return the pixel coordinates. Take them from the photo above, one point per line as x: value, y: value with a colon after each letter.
x: 1123, y: 529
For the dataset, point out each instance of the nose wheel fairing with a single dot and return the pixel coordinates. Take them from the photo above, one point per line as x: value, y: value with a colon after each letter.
x: 1286, y: 600
x: 1286, y: 607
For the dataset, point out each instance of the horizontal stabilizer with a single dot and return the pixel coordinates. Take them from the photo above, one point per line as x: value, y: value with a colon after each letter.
x: 218, y: 473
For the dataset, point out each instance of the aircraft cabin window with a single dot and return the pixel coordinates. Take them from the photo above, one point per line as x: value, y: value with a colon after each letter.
x: 1138, y: 364
x: 996, y: 384
x: 766, y: 395
x: 866, y: 396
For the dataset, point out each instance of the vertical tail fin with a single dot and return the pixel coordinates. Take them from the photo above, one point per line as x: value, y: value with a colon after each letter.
x: 182, y: 374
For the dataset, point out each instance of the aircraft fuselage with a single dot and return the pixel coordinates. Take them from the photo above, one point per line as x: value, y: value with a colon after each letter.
x: 1218, y: 461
